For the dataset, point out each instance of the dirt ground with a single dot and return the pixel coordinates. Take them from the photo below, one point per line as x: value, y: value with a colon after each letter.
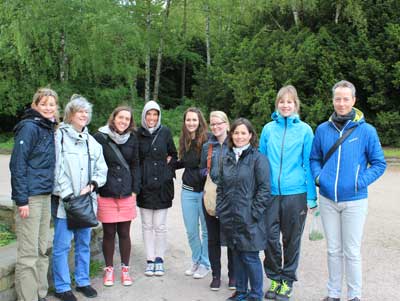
x: 381, y: 254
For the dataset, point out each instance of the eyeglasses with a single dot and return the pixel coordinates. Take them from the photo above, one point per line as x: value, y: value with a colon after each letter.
x: 216, y: 124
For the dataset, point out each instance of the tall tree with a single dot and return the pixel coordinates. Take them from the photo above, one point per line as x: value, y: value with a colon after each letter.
x: 160, y: 51
x: 184, y: 30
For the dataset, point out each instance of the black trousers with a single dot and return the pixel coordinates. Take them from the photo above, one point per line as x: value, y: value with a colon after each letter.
x: 287, y: 215
x: 214, y: 247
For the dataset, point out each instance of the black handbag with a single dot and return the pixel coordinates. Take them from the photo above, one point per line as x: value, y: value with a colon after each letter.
x: 80, y: 213
x: 79, y: 209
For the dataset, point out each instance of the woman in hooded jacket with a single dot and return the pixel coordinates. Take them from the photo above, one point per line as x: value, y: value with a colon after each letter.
x: 287, y: 142
x: 157, y: 157
x: 243, y: 197
x: 32, y: 178
x: 79, y: 158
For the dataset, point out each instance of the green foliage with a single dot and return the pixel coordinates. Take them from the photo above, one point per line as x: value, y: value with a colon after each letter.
x: 6, y: 236
x: 391, y: 152
x: 98, y: 49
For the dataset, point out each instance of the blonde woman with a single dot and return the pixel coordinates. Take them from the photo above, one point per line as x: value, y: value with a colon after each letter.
x: 219, y: 125
x: 32, y: 177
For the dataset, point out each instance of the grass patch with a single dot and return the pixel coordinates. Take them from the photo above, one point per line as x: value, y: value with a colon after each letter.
x: 6, y: 236
x: 391, y: 152
x: 6, y: 143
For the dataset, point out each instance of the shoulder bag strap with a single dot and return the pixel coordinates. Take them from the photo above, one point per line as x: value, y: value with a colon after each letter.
x: 209, y: 155
x: 337, y: 144
x: 156, y: 136
x: 117, y: 152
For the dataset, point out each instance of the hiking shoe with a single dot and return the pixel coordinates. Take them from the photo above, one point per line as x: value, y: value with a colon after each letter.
x: 285, y: 292
x: 232, y: 284
x: 159, y: 267
x: 237, y: 296
x: 330, y: 299
x: 150, y: 268
x: 108, y: 278
x: 126, y: 279
x: 201, y: 272
x: 87, y: 291
x: 355, y: 299
x: 193, y: 268
x: 273, y: 290
x: 66, y: 296
x: 215, y: 284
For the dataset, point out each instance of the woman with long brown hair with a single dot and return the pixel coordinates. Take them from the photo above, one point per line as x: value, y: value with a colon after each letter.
x: 193, y: 136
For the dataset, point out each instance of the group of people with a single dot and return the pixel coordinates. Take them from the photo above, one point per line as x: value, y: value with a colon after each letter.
x: 264, y: 191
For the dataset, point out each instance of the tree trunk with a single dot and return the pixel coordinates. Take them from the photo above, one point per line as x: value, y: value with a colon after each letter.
x: 160, y: 52
x: 147, y: 56
x: 183, y: 74
x: 295, y: 12
x: 63, y: 59
x: 338, y: 10
x: 207, y: 10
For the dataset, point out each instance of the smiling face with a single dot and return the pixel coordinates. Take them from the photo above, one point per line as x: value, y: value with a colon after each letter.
x: 151, y: 118
x: 286, y: 105
x: 343, y: 101
x: 192, y: 123
x: 241, y: 136
x: 47, y: 107
x: 122, y: 121
x: 80, y: 119
x: 218, y: 127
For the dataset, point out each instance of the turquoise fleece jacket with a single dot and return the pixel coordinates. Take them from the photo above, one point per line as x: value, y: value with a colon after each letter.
x: 287, y: 142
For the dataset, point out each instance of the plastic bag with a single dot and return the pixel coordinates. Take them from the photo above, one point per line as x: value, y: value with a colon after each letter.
x: 316, y: 231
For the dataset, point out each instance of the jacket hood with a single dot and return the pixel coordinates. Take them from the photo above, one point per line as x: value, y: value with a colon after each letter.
x: 151, y: 105
x: 276, y: 116
x: 74, y: 134
x: 31, y: 115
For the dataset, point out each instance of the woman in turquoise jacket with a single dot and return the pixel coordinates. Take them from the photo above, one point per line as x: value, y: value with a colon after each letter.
x: 287, y: 142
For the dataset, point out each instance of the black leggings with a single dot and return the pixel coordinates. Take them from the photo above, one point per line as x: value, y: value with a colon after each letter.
x: 109, y: 230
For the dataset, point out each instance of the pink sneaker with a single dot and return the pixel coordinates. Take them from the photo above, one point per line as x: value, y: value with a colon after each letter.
x: 108, y: 278
x: 125, y: 277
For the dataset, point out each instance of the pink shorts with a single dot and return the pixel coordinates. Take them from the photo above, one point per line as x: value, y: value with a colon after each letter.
x: 112, y: 210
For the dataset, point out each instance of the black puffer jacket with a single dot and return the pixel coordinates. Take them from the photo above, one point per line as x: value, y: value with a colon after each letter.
x: 33, y: 157
x: 157, y: 186
x: 243, y: 197
x: 120, y: 181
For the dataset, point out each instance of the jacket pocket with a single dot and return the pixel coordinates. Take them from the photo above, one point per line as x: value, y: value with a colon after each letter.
x: 356, y: 179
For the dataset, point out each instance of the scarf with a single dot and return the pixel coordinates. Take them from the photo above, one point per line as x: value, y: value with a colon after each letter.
x: 239, y: 150
x: 114, y: 136
x: 340, y: 121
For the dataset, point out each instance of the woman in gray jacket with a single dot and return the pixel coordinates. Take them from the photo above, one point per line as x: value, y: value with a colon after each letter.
x: 74, y: 147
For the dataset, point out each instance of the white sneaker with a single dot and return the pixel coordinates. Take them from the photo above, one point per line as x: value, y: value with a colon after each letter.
x: 193, y: 268
x: 149, y: 269
x: 201, y: 272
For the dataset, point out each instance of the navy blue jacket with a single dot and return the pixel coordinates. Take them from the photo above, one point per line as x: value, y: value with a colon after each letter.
x: 33, y: 157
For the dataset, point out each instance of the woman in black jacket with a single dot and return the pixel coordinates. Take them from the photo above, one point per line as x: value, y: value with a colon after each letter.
x: 157, y: 155
x: 193, y: 136
x: 243, y: 195
x: 117, y: 200
x: 32, y: 177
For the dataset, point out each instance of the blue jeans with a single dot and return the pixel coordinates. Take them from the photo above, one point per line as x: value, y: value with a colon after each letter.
x: 193, y: 217
x: 343, y: 226
x: 61, y: 248
x: 248, y: 267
